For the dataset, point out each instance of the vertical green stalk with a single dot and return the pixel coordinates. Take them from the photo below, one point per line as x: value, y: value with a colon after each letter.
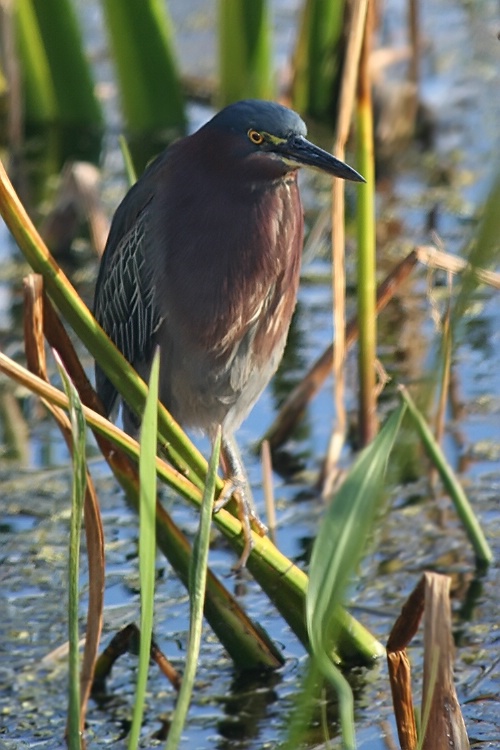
x: 198, y: 567
x: 366, y: 246
x: 245, y: 60
x: 147, y: 544
x: 78, y: 495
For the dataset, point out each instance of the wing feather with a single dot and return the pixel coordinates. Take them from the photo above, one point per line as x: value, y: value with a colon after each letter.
x: 124, y: 298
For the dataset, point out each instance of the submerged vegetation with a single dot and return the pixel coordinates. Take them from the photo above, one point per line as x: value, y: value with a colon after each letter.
x: 330, y: 78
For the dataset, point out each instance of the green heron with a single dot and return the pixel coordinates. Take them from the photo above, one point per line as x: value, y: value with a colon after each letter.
x: 203, y: 259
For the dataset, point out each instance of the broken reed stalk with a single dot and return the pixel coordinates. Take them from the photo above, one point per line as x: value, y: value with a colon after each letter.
x: 433, y: 258
x: 443, y: 724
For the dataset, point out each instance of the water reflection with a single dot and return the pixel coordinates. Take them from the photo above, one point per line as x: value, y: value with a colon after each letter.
x: 247, y: 708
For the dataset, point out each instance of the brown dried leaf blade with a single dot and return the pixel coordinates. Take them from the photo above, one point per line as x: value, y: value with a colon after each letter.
x: 443, y: 725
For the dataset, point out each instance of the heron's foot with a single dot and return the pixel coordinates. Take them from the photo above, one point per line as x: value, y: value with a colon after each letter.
x: 237, y: 486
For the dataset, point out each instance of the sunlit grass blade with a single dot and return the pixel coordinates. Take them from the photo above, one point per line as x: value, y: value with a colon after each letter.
x: 147, y: 544
x: 77, y: 500
x: 450, y: 482
x: 197, y: 585
x: 344, y: 530
x: 336, y: 552
x: 366, y: 255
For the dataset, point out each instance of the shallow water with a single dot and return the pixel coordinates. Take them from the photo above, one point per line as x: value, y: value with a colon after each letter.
x: 419, y: 532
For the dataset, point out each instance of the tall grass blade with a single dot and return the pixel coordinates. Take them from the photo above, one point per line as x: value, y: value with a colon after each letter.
x: 464, y: 509
x: 344, y: 531
x: 150, y: 88
x: 147, y: 544
x: 78, y: 496
x: 336, y: 552
x: 244, y: 51
x: 197, y: 585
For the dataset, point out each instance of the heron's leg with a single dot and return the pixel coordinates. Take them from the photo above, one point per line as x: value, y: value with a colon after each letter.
x: 237, y: 484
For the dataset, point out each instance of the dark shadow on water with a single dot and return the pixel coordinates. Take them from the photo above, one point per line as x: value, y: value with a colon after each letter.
x: 247, y: 708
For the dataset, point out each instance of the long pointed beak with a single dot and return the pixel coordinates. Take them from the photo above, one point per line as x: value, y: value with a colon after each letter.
x: 302, y: 153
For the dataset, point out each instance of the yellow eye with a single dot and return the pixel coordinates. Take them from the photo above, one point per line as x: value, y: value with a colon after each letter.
x: 255, y: 137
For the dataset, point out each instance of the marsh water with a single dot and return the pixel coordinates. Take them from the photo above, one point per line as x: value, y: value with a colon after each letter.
x: 445, y: 187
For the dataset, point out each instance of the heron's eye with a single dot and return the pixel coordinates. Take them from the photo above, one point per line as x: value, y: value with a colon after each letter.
x: 255, y: 137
